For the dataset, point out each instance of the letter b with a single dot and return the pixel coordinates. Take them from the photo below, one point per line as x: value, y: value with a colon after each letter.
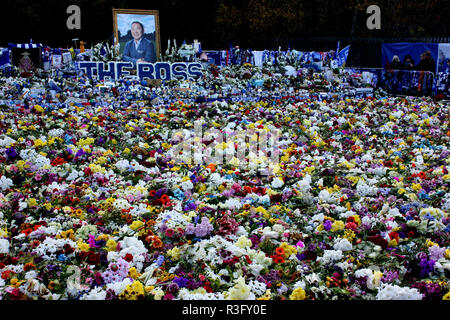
x: 73, y: 21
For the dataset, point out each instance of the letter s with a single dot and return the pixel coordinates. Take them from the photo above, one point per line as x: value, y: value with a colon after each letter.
x: 194, y: 70
x: 179, y: 70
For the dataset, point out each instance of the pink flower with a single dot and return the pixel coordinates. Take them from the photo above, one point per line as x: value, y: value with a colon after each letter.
x: 37, y: 177
x: 169, y: 233
x: 300, y: 244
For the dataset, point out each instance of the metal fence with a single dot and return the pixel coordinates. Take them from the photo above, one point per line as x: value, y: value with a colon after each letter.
x: 364, y: 52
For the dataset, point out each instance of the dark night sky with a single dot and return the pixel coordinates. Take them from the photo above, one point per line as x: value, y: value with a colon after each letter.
x: 215, y: 23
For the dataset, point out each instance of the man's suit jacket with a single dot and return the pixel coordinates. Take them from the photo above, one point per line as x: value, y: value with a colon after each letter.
x: 145, y: 51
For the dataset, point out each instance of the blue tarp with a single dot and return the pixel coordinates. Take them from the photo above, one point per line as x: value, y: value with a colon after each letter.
x: 4, y: 57
x: 404, y: 48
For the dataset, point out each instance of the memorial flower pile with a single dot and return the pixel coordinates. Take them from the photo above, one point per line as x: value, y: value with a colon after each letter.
x: 95, y: 205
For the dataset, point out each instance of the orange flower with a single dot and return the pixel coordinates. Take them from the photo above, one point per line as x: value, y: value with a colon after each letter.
x: 211, y: 167
x: 279, y: 251
x: 157, y: 243
x: 28, y: 266
x: 278, y: 259
x: 164, y: 198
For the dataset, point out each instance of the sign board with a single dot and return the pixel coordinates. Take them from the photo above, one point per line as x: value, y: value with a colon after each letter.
x: 114, y: 70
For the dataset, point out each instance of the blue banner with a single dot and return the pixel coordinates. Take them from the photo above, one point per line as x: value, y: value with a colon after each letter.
x: 343, y: 55
x: 4, y: 57
x: 409, y: 55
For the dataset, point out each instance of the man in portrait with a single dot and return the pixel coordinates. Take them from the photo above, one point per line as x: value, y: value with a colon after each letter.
x: 139, y: 49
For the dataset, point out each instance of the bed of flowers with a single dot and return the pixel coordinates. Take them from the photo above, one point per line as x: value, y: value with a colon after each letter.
x: 94, y: 206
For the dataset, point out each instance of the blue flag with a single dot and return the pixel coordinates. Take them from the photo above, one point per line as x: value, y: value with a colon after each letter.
x: 342, y: 56
x: 52, y: 84
x: 337, y: 50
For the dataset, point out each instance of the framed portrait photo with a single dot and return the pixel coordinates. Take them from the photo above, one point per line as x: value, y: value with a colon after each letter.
x: 137, y: 32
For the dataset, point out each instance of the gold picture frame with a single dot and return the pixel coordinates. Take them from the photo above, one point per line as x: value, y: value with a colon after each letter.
x: 149, y: 19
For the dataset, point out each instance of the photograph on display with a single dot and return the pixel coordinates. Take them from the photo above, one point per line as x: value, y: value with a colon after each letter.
x: 137, y: 32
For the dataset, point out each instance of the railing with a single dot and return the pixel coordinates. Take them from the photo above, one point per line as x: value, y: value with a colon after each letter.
x: 364, y: 52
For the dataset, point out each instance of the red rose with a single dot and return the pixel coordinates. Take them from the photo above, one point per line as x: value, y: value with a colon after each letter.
x: 128, y: 257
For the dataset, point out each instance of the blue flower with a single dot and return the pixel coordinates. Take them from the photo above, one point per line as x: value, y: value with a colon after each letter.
x: 178, y: 194
x: 11, y: 153
x: 160, y: 260
x: 62, y: 257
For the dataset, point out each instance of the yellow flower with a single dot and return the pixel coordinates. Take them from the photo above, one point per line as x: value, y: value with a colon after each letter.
x: 263, y: 211
x: 166, y: 146
x: 136, y: 225
x: 38, y: 143
x: 401, y: 191
x: 132, y: 291
x: 83, y: 246
x: 430, y: 243
x: 349, y: 235
x: 38, y: 108
x: 288, y: 250
x: 133, y: 273
x: 111, y: 245
x: 337, y: 225
x: 447, y: 253
x: 101, y: 160
x: 157, y: 293
x: 357, y: 219
x: 266, y: 296
x: 175, y: 253
x: 243, y: 242
x: 447, y: 296
x: 392, y: 243
x: 298, y: 294
x: 32, y: 202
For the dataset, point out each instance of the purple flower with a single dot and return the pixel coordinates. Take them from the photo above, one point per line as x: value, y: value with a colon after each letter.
x: 426, y: 267
x: 80, y: 153
x: 190, y: 229
x: 11, y: 153
x: 436, y: 252
x: 181, y: 282
x: 327, y: 225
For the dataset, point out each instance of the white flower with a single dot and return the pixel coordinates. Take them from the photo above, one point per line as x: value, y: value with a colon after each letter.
x: 395, y: 292
x: 366, y: 273
x: 240, y: 291
x: 5, y: 183
x: 7, y: 141
x: 299, y: 284
x: 120, y: 204
x: 342, y: 244
x: 258, y: 288
x: 119, y: 287
x: 95, y: 294
x: 330, y: 256
x: 187, y: 185
x: 4, y: 246
x: 277, y: 183
x: 324, y: 195
x: 233, y: 204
